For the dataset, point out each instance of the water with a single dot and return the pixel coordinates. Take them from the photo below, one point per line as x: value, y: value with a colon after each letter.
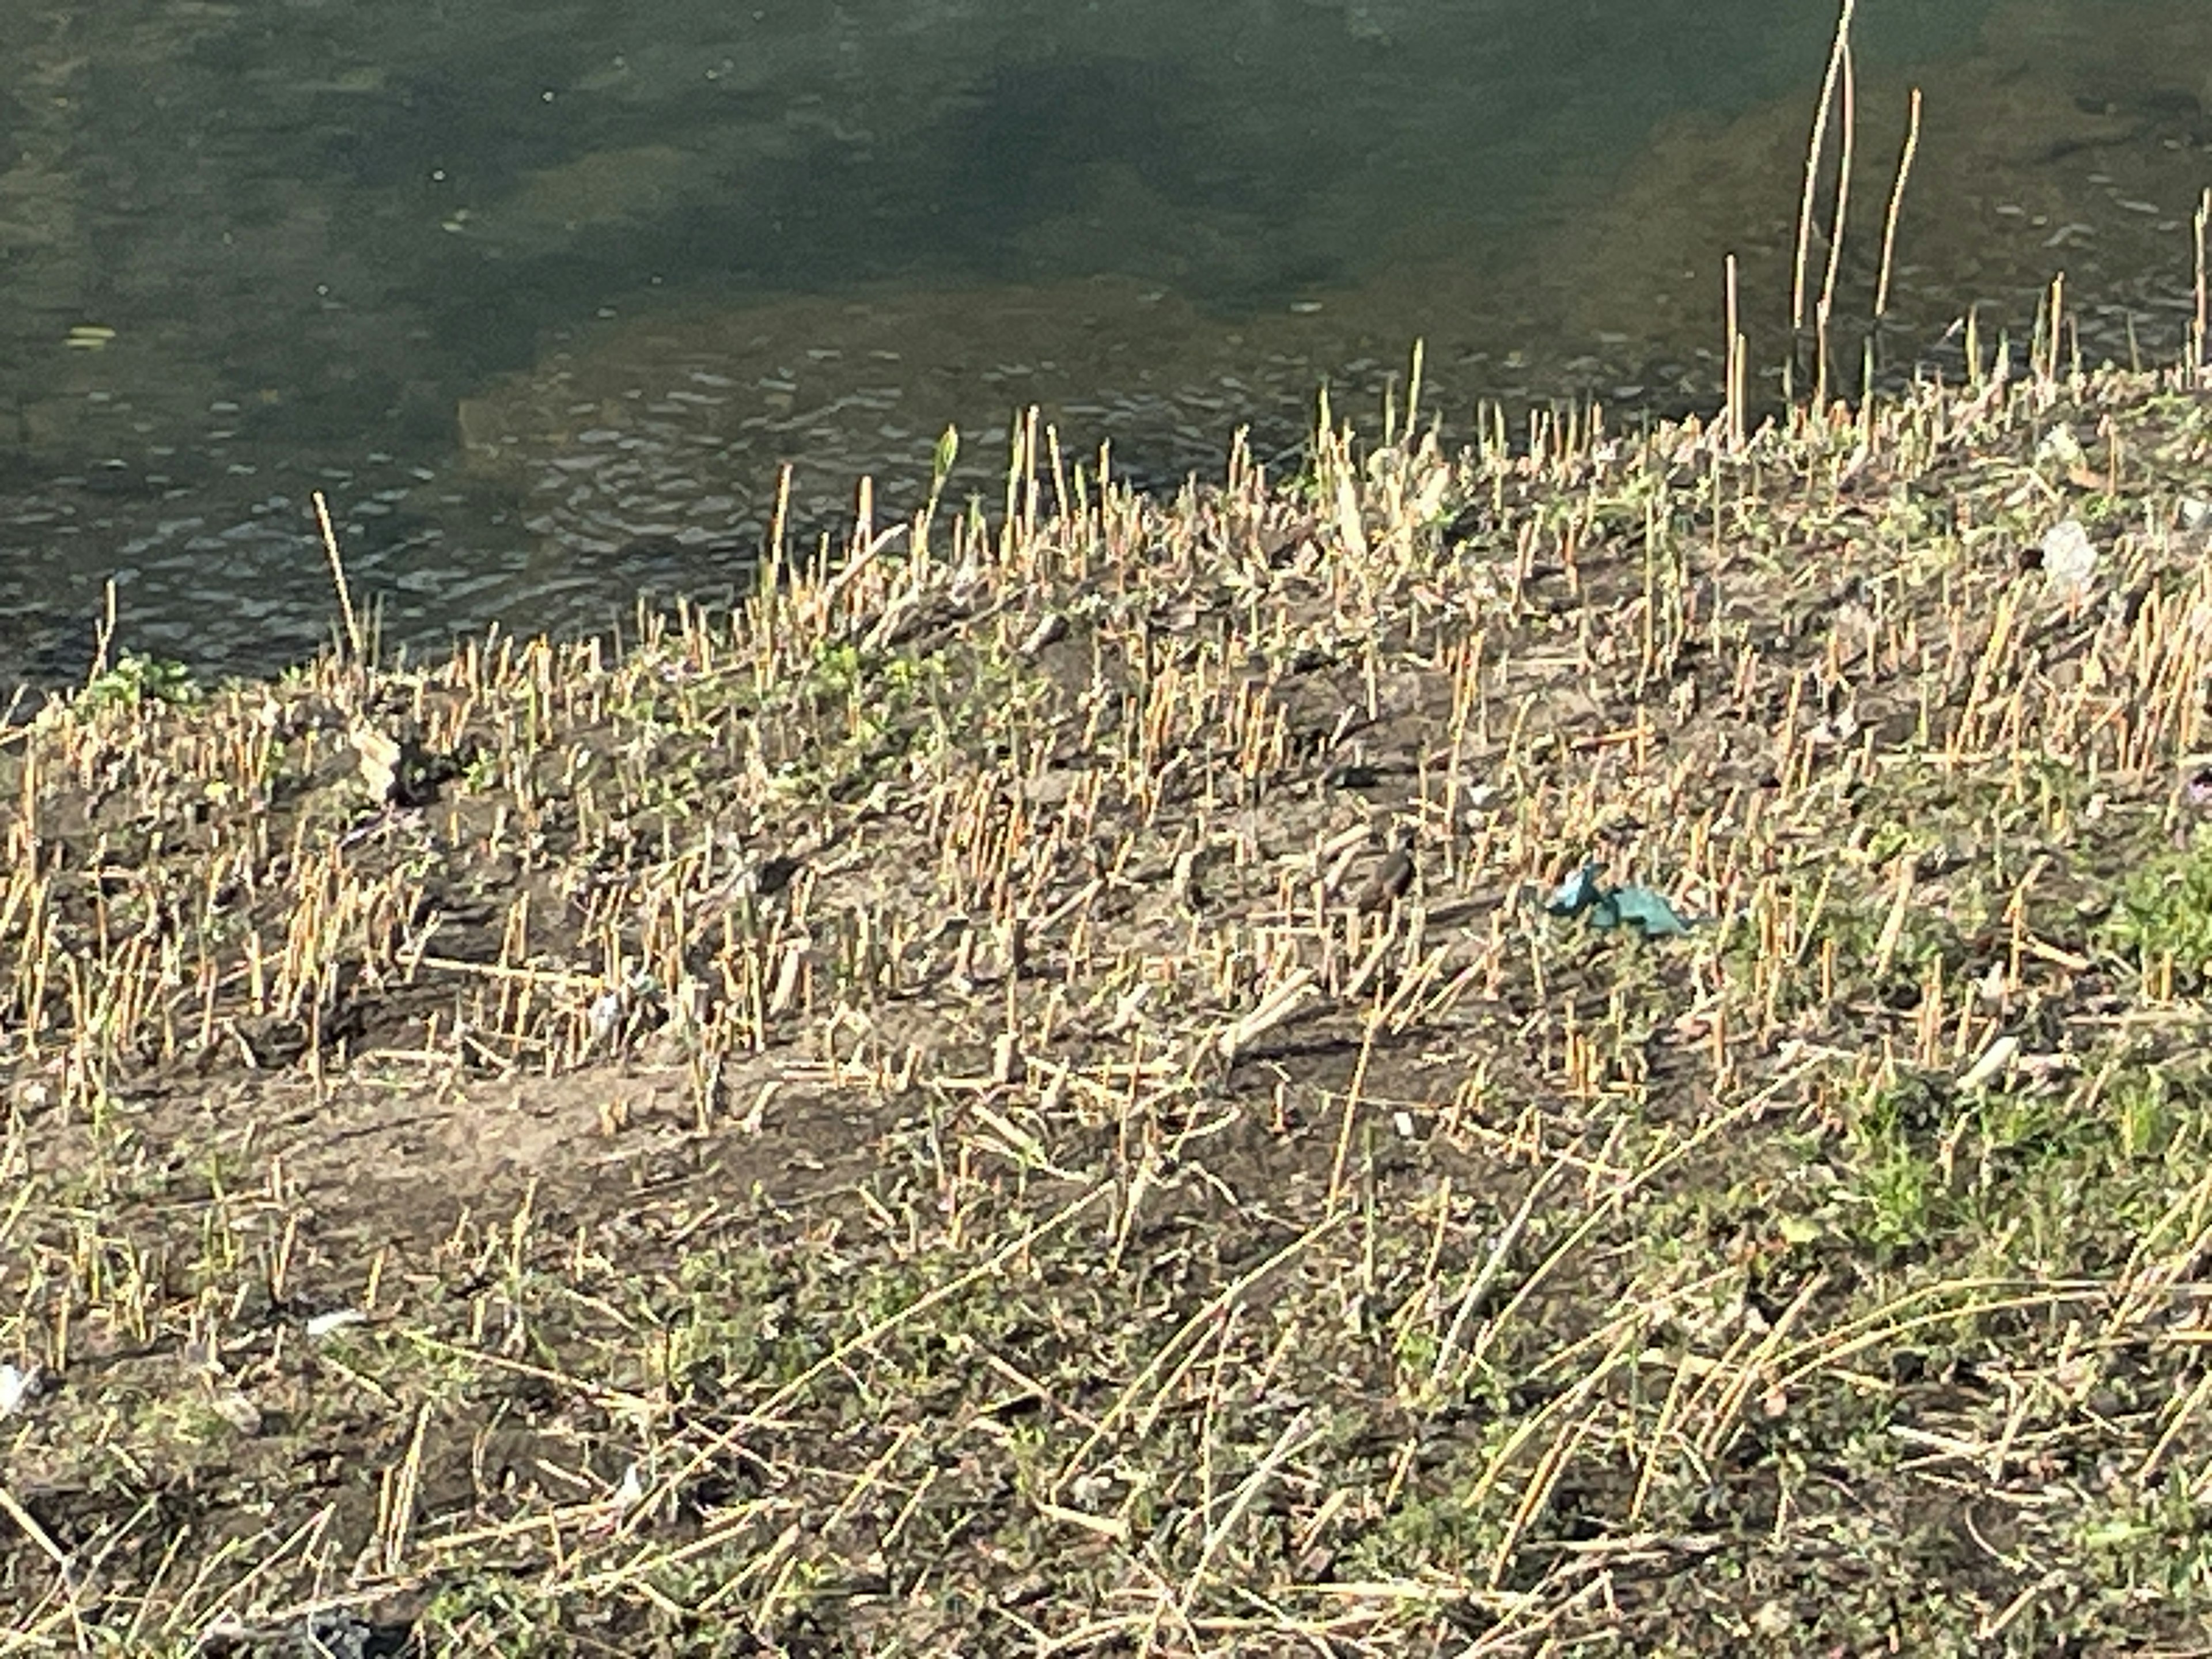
x: 541, y: 295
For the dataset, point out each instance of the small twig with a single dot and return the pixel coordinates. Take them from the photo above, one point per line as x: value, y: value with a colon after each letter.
x: 1897, y: 204
x: 1813, y: 163
x: 353, y: 643
x: 32, y: 1530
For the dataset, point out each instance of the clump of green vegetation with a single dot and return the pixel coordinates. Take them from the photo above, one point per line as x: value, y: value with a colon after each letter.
x: 2163, y: 921
x: 134, y: 679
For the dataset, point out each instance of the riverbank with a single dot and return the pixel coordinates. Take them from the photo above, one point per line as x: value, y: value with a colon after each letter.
x: 1047, y: 1089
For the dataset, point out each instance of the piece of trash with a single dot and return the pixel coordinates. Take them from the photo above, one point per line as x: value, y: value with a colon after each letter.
x: 606, y: 1013
x: 619, y: 1503
x: 16, y: 1388
x: 1993, y: 1061
x: 339, y: 1319
x: 2069, y: 558
x: 1642, y: 907
x: 380, y: 762
x: 89, y: 337
x: 1583, y: 894
x: 1575, y: 894
x: 2060, y: 445
x: 397, y: 770
x: 609, y: 1015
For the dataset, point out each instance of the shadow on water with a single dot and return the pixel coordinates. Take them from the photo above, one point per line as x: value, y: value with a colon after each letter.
x: 1018, y: 147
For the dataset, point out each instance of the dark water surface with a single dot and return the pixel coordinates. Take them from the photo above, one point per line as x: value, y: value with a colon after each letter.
x: 543, y: 294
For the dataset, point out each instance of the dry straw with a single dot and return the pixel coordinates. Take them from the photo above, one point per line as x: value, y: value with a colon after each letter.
x: 882, y: 1120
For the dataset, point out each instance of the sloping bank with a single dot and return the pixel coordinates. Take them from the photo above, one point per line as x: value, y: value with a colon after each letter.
x: 1025, y: 1095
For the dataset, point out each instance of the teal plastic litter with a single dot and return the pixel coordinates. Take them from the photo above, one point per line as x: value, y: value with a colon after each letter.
x: 1583, y: 895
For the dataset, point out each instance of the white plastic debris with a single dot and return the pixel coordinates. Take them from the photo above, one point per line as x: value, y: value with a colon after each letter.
x: 16, y: 1388
x: 1993, y: 1061
x: 620, y: 1502
x: 612, y: 1007
x: 2069, y: 558
x: 326, y: 1324
x: 2060, y: 445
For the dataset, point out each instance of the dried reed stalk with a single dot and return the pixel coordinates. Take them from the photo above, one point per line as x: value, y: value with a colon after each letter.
x: 2199, y: 357
x: 1813, y: 163
x: 1836, y: 230
x: 1897, y: 203
x: 353, y: 633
